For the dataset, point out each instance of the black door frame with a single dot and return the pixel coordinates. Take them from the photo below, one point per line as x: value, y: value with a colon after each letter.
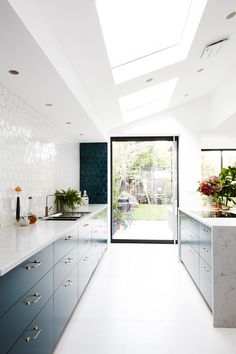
x: 142, y: 138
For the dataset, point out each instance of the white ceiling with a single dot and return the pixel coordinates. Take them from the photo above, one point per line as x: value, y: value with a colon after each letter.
x: 69, y: 66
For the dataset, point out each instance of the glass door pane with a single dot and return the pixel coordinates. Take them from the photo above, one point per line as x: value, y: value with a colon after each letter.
x: 144, y: 186
x: 229, y: 158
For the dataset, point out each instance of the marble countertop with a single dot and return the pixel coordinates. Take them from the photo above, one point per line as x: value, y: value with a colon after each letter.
x: 211, y: 222
x: 19, y: 243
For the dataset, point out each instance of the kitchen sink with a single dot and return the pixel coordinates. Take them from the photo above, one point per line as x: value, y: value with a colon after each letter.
x: 66, y: 216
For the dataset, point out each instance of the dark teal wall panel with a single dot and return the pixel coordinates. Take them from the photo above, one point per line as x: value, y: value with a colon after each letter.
x: 93, y: 171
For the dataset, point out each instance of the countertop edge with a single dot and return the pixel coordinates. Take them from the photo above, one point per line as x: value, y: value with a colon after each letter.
x: 66, y: 226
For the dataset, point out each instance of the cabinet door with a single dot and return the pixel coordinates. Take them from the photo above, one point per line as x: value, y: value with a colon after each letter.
x: 205, y: 243
x: 18, y: 281
x: 64, y: 266
x: 86, y: 267
x: 65, y: 299
x: 191, y: 260
x: 38, y: 337
x: 85, y: 238
x: 206, y: 283
x: 14, y: 322
x: 65, y: 244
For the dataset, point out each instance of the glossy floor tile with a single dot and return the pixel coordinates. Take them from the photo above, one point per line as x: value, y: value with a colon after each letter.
x: 142, y: 301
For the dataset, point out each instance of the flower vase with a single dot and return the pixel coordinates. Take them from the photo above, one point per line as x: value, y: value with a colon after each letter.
x: 208, y: 202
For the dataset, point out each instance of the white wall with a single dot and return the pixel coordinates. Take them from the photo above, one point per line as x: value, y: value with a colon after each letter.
x: 34, y: 155
x: 187, y: 122
x: 223, y: 100
x: 218, y: 142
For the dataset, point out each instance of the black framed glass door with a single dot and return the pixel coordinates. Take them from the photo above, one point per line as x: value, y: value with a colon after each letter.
x: 144, y: 189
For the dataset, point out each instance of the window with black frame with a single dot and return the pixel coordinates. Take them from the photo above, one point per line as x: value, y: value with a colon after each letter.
x: 213, y: 160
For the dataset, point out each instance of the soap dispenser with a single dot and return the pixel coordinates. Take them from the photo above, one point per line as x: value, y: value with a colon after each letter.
x: 85, y: 198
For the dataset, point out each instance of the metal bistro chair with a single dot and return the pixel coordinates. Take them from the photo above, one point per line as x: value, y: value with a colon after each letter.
x: 125, y: 207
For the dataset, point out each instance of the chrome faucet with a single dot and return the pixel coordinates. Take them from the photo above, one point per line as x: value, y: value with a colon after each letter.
x: 46, y: 207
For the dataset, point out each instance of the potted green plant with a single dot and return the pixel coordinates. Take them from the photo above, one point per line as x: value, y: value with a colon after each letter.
x: 67, y: 199
x: 228, y: 182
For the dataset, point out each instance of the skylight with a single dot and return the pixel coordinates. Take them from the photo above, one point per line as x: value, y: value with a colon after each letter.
x: 146, y: 35
x: 148, y: 101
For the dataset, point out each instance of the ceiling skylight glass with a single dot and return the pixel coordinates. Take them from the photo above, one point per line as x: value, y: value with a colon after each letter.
x: 135, y: 31
x: 148, y: 101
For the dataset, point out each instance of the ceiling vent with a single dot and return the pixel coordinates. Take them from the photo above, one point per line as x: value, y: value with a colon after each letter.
x: 213, y: 49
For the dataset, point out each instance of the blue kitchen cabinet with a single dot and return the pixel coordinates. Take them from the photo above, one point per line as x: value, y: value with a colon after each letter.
x: 14, y: 322
x: 38, y: 337
x: 39, y: 296
x: 196, y: 254
x: 65, y: 244
x: 65, y: 299
x: 18, y: 281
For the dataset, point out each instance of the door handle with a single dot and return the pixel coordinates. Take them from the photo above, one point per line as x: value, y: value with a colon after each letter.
x: 33, y: 265
x: 30, y: 301
x: 38, y: 331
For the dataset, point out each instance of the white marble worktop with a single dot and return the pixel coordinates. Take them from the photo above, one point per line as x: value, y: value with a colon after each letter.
x: 223, y: 266
x: 211, y: 222
x: 18, y: 243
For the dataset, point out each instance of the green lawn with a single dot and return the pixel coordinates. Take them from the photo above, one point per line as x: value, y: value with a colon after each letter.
x: 150, y: 212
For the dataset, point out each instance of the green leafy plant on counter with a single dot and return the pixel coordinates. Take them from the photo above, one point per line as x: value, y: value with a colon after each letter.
x: 68, y: 199
x: 228, y: 182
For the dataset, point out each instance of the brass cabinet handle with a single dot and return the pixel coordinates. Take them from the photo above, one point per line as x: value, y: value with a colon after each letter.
x: 30, y: 301
x: 85, y: 258
x: 68, y: 283
x: 68, y: 238
x: 68, y: 260
x: 33, y: 265
x: 86, y: 225
x: 38, y: 331
x: 205, y: 269
x: 205, y: 249
x: 205, y: 230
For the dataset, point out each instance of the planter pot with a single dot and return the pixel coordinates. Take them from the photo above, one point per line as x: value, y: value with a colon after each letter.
x: 208, y: 203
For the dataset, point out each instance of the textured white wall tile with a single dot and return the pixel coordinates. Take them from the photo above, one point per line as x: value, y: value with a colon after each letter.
x: 34, y: 155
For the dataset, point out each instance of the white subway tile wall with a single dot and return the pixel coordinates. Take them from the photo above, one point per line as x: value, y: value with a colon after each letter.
x: 34, y: 155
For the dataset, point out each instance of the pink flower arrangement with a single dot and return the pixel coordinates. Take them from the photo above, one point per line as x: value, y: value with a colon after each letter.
x: 210, y: 186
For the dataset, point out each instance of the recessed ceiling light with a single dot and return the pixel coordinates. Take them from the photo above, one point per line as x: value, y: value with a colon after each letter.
x: 200, y: 70
x: 231, y: 15
x: 186, y: 95
x: 48, y: 104
x: 68, y: 123
x: 13, y: 72
x: 149, y: 80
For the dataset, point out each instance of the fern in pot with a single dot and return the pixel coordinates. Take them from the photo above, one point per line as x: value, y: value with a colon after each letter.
x: 67, y: 200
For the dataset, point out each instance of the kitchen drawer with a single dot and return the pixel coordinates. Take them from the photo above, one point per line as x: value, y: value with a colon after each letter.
x: 184, y: 233
x: 86, y: 267
x: 19, y: 280
x: 205, y: 243
x: 65, y: 299
x: 193, y: 226
x: 85, y: 238
x: 193, y: 240
x: 65, y: 244
x: 206, y: 281
x: 64, y: 266
x: 38, y: 337
x: 19, y: 316
x: 184, y: 219
x: 191, y: 260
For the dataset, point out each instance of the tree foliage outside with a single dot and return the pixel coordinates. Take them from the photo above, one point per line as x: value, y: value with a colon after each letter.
x: 142, y: 169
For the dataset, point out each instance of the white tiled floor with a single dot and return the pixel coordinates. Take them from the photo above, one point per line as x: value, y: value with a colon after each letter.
x: 141, y: 301
x: 145, y: 230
